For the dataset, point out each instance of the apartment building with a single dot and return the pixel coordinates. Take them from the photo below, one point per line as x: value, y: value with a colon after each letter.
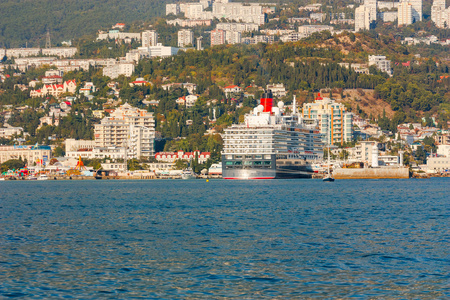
x: 240, y: 27
x: 365, y: 15
x: 149, y: 38
x: 334, y: 122
x: 233, y: 37
x: 248, y: 13
x: 440, y: 13
x: 117, y: 35
x: 172, y: 8
x: 60, y: 51
x: 115, y: 71
x: 127, y: 127
x: 29, y: 153
x: 381, y: 63
x: 185, y: 37
x: 218, y: 37
x: 405, y: 13
x: 307, y: 30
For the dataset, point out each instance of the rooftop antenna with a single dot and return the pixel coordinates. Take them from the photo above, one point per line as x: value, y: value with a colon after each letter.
x: 48, y: 43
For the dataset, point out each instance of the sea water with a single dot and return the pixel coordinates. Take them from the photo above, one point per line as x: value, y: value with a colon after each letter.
x: 174, y: 239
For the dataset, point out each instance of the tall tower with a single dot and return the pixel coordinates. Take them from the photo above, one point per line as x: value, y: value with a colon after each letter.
x: 48, y: 43
x: 199, y: 43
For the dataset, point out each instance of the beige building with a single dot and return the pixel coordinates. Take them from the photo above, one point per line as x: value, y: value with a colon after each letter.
x: 405, y: 13
x: 115, y: 71
x: 111, y: 152
x: 149, y: 38
x: 365, y: 15
x: 10, y: 131
x: 334, y: 122
x: 440, y: 13
x: 127, y: 126
x: 438, y: 164
x: 185, y: 37
x: 29, y: 153
x: 75, y: 145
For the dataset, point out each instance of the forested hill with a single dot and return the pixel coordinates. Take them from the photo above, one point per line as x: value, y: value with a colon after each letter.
x: 24, y: 21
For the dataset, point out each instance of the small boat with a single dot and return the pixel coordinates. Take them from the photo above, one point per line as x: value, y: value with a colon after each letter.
x: 2, y: 179
x: 42, y: 177
x: 32, y: 178
x: 188, y: 174
x: 328, y: 178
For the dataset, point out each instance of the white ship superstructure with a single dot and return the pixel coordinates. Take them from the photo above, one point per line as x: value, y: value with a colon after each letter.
x: 270, y: 144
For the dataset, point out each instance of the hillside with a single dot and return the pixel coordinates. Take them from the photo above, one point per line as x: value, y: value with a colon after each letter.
x: 27, y: 21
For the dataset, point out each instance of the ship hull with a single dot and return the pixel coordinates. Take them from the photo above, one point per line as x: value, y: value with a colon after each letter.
x: 278, y: 169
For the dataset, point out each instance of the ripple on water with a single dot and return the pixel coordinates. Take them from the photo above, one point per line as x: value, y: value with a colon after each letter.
x: 242, y: 239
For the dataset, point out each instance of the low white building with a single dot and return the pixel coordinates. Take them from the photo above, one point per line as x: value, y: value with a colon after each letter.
x: 443, y: 150
x: 382, y: 64
x: 8, y: 132
x: 115, y: 71
x: 278, y: 90
x: 99, y: 153
x: 32, y: 154
x: 307, y: 30
x: 438, y: 164
x: 74, y: 145
x: 188, y: 100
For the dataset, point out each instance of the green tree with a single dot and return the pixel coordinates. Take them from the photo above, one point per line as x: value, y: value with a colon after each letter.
x: 12, y: 164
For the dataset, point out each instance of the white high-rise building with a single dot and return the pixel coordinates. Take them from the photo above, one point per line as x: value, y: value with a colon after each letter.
x: 185, y: 37
x: 405, y: 14
x: 417, y: 6
x: 127, y: 127
x: 233, y: 37
x: 409, y: 11
x: 173, y: 9
x: 194, y: 11
x: 365, y: 15
x: 149, y: 38
x: 334, y: 122
x: 440, y: 13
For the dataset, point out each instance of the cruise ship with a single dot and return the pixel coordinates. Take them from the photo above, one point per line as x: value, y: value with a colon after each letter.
x: 271, y: 144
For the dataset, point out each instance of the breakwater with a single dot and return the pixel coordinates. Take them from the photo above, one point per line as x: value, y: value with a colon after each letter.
x: 371, y: 173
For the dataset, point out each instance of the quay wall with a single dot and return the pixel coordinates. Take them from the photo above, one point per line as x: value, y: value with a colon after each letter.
x: 371, y: 173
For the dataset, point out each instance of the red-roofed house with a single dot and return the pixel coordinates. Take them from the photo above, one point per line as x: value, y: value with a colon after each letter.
x: 173, y: 156
x: 55, y: 90
x: 119, y: 25
x: 139, y: 82
x: 65, y: 105
x: 228, y: 90
x: 188, y: 100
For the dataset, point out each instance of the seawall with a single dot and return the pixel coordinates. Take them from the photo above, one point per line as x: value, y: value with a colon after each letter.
x: 371, y: 173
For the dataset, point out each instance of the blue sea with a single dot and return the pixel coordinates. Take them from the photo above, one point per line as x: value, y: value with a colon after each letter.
x: 175, y: 239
